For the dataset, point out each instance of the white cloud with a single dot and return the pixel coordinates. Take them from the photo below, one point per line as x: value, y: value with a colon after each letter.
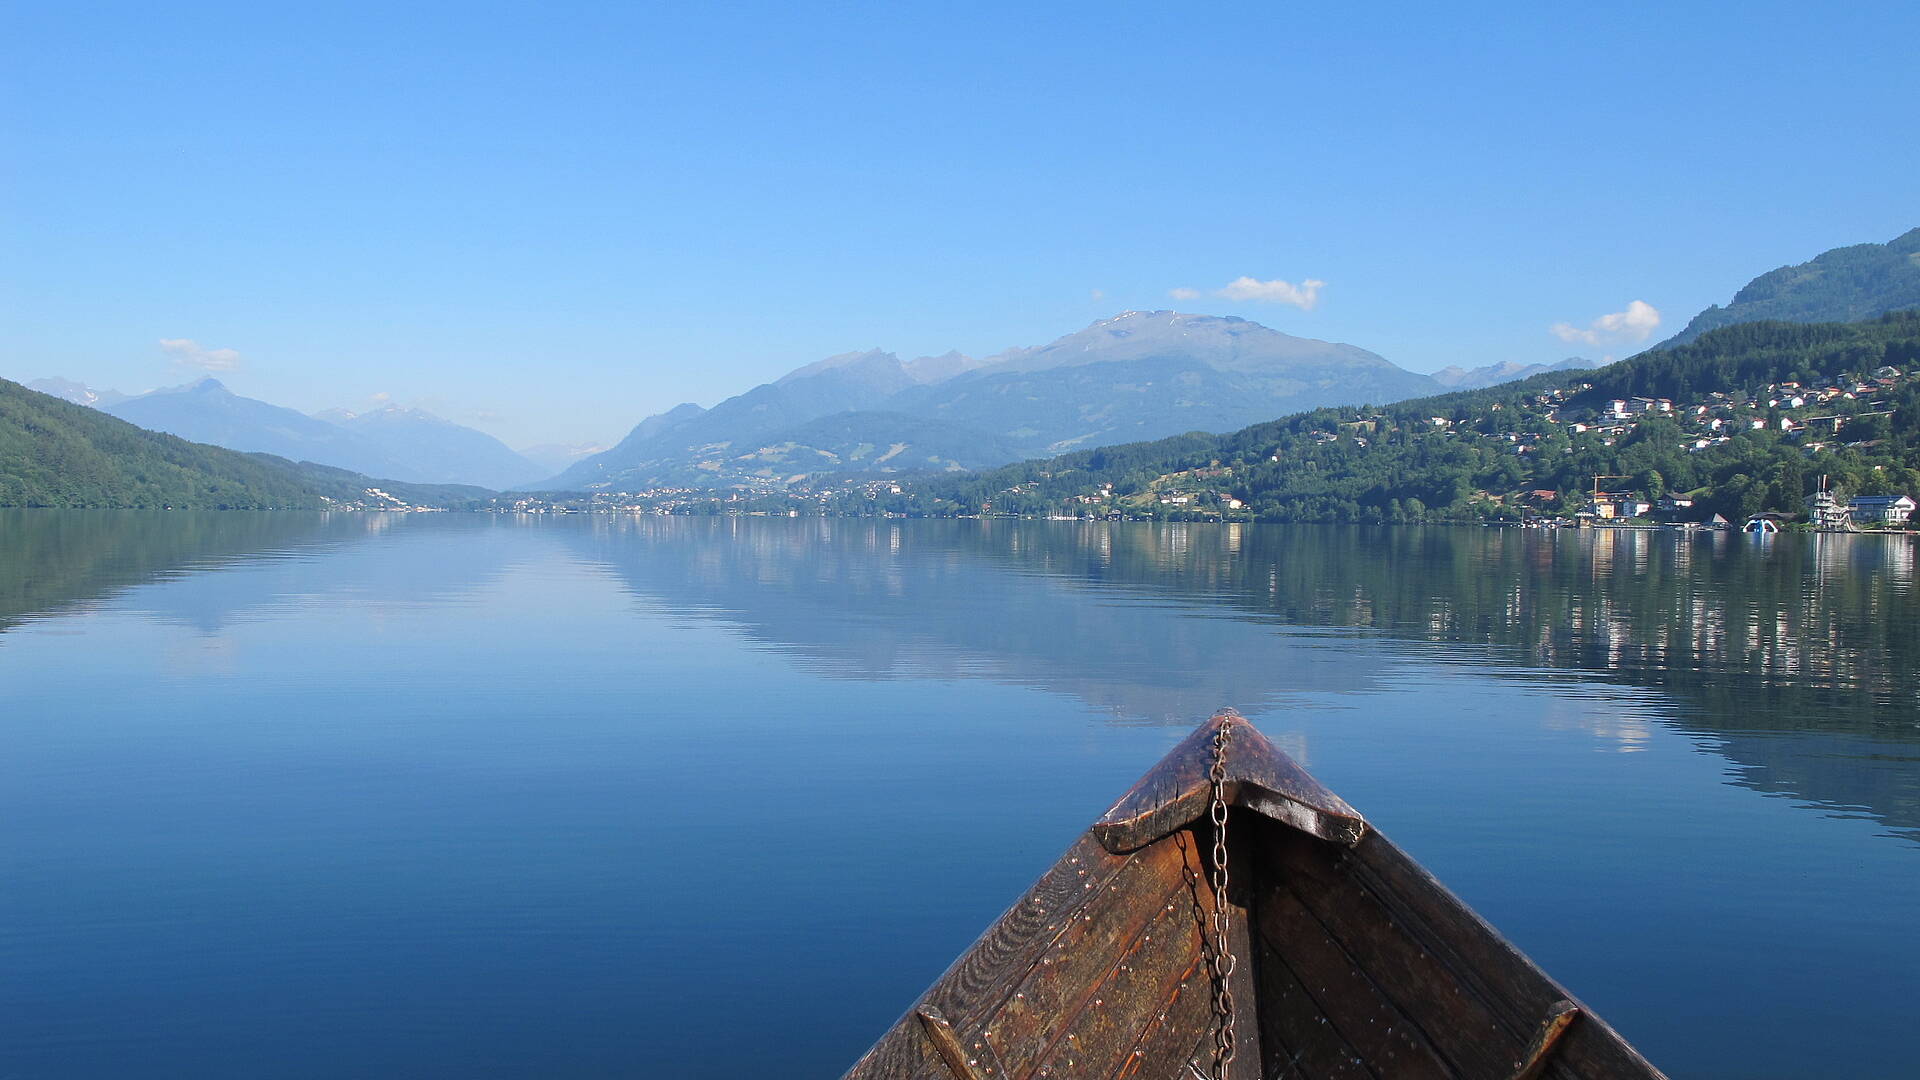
x: 1636, y: 323
x: 1303, y: 296
x: 1184, y: 293
x: 1099, y: 294
x: 191, y: 354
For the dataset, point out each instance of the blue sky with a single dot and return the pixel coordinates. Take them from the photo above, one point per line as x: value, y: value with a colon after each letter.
x: 551, y: 220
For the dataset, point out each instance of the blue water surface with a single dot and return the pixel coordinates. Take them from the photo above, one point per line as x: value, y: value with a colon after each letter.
x: 300, y: 795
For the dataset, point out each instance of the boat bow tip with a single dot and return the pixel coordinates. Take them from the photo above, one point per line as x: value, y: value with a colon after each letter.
x: 1260, y: 777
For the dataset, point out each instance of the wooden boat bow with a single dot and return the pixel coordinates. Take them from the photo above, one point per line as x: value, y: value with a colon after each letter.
x: 1349, y: 959
x: 1260, y: 777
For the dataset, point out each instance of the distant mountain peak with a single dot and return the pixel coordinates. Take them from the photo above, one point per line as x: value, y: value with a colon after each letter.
x: 933, y: 369
x: 870, y: 359
x: 1455, y: 377
x: 1221, y: 342
x: 77, y: 393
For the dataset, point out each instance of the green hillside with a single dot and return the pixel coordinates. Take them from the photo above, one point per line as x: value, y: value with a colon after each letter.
x: 57, y: 454
x: 1734, y: 437
x: 1847, y: 284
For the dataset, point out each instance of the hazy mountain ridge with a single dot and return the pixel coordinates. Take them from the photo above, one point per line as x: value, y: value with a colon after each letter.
x: 77, y: 393
x: 1845, y: 284
x: 432, y: 450
x: 1138, y: 375
x: 1459, y: 378
x: 404, y: 444
x: 662, y: 448
x: 207, y: 412
x: 558, y: 457
x: 54, y: 453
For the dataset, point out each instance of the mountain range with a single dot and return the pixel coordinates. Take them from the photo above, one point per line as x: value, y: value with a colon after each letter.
x: 54, y: 453
x: 393, y: 442
x: 1731, y: 440
x: 1458, y: 378
x: 78, y: 393
x: 1138, y: 375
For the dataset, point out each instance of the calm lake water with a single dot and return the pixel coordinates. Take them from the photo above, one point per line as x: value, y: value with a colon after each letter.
x: 288, y: 795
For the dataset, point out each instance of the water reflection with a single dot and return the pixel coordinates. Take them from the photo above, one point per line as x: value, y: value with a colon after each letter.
x: 882, y: 600
x: 1797, y: 659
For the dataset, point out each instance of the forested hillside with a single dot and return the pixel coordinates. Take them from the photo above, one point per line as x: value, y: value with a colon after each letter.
x: 1744, y: 418
x: 1847, y: 284
x: 57, y: 454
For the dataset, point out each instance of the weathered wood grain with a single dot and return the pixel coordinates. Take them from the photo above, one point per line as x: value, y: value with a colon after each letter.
x: 1482, y: 957
x: 1259, y: 776
x: 983, y: 977
x: 1101, y: 1038
x: 1120, y: 919
x: 1339, y: 994
x: 1449, y: 1012
x: 1295, y: 1038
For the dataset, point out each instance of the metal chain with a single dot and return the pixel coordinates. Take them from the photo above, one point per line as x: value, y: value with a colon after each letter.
x: 1222, y: 961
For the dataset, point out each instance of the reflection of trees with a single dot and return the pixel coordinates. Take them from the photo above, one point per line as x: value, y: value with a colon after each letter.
x: 1796, y: 657
x: 1799, y: 656
x: 50, y: 560
x: 53, y: 558
x: 1821, y: 631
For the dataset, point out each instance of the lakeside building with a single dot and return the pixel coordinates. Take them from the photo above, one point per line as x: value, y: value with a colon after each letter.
x: 1607, y: 505
x: 1881, y: 509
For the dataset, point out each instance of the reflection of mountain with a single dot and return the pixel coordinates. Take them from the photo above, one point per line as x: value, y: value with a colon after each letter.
x: 407, y: 566
x: 926, y: 599
x: 1798, y: 661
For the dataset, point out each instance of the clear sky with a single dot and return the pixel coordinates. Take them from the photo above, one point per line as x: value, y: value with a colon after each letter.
x: 552, y: 219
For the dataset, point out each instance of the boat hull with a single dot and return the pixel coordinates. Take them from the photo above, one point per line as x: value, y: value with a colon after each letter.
x: 1350, y: 960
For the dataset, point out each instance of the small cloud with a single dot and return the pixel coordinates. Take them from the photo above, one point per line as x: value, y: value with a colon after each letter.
x: 1099, y: 294
x: 1184, y: 293
x: 380, y: 397
x: 188, y: 353
x: 1303, y: 296
x: 1636, y: 323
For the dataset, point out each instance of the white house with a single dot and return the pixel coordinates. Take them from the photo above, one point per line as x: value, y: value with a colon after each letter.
x: 1882, y: 509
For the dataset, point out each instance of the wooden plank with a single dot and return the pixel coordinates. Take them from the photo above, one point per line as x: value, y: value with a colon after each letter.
x: 1338, y: 996
x: 979, y: 981
x: 1104, y: 1037
x: 903, y: 1053
x: 1592, y: 1050
x: 1082, y: 954
x: 1399, y: 960
x: 1171, y: 1038
x: 1539, y: 1053
x: 1175, y: 793
x: 1497, y: 970
x: 979, y: 984
x: 1295, y: 1038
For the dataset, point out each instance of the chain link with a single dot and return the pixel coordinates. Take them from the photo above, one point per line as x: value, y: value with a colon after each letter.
x: 1221, y: 962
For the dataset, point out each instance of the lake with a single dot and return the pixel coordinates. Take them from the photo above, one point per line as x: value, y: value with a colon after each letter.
x: 307, y: 795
